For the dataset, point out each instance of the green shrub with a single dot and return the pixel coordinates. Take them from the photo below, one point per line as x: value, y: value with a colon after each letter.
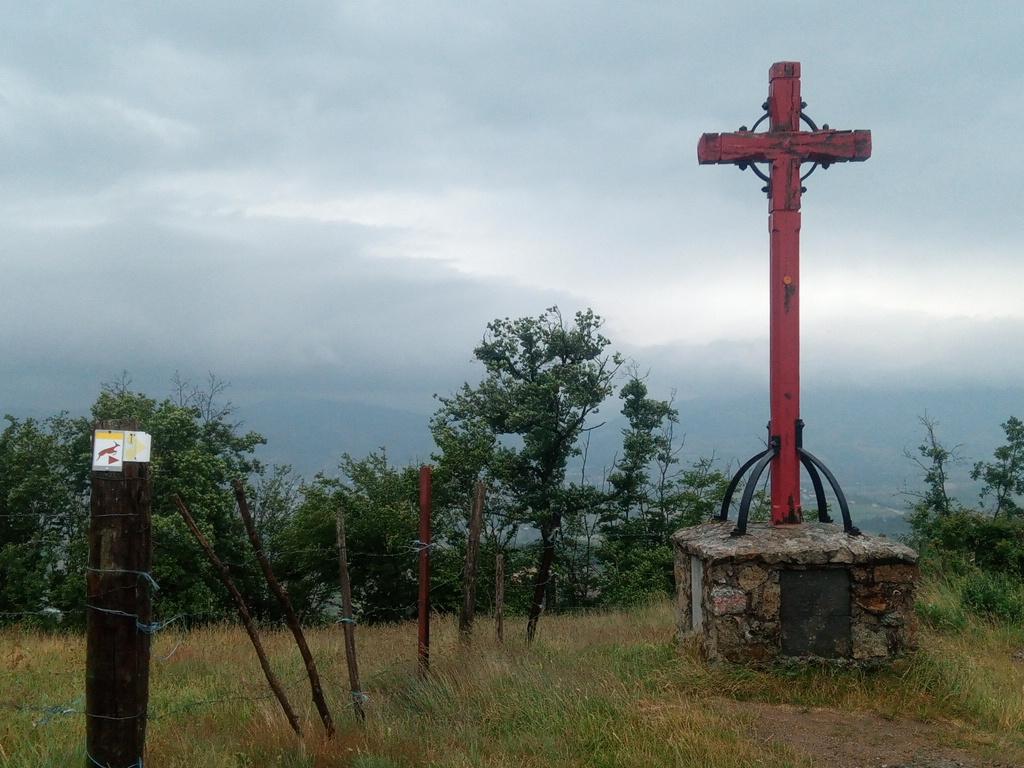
x: 994, y: 595
x: 991, y: 544
x: 943, y: 616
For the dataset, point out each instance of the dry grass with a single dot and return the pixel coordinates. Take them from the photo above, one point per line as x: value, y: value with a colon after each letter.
x: 595, y: 690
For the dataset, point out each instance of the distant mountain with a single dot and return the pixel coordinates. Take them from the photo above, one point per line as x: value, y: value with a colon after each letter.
x: 312, y: 434
x: 860, y: 434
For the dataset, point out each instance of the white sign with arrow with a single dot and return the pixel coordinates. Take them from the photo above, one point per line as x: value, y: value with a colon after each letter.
x: 111, y: 449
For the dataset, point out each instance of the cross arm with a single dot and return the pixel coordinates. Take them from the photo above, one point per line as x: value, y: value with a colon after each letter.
x: 827, y: 146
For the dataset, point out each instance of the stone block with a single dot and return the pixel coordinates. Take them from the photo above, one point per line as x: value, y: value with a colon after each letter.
x: 894, y: 619
x: 728, y: 600
x: 766, y: 604
x: 895, y: 573
x: 879, y: 598
x: 873, y: 601
x: 862, y: 574
x: 869, y: 643
x: 807, y: 544
x: 751, y: 577
x: 721, y: 574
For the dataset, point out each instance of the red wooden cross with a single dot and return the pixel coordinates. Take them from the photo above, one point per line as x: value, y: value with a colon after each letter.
x: 785, y: 147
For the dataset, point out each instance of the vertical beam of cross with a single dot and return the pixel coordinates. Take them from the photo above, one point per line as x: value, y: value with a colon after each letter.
x: 784, y: 298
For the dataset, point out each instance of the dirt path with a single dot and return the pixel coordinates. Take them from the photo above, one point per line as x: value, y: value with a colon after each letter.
x: 836, y: 739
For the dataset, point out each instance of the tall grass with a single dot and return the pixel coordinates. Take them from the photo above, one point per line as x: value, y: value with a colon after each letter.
x: 601, y: 689
x: 978, y: 661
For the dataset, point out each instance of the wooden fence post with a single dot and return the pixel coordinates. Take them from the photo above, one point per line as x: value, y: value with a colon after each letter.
x: 347, y: 622
x: 499, y: 596
x: 469, y: 575
x: 286, y: 605
x: 119, y: 604
x: 423, y: 544
x: 243, y: 613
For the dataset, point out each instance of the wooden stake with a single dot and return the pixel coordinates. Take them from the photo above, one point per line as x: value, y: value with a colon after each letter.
x: 243, y: 612
x: 472, y: 553
x: 120, y: 613
x: 286, y: 606
x: 423, y: 655
x: 347, y: 622
x: 499, y: 596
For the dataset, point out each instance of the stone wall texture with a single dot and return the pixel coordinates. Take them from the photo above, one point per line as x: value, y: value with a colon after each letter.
x: 741, y: 597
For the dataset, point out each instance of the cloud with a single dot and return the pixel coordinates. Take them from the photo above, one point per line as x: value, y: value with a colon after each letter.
x: 340, y: 196
x: 253, y: 298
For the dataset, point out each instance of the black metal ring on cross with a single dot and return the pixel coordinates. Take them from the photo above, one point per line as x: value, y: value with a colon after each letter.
x: 761, y: 174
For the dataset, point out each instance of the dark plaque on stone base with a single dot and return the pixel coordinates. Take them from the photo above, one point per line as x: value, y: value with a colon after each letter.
x: 815, y: 612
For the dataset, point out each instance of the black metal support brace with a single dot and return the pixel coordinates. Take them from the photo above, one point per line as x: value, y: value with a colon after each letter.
x: 748, y: 492
x: 734, y: 483
x: 819, y: 489
x: 767, y: 188
x: 844, y: 508
x: 815, y: 468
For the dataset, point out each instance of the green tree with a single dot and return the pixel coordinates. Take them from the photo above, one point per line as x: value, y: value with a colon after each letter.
x: 634, y: 551
x: 274, y: 499
x: 650, y: 498
x: 976, y: 545
x: 382, y: 523
x: 1003, y: 478
x: 578, y: 542
x: 647, y: 438
x: 934, y: 461
x: 543, y: 378
x: 44, y: 499
x: 697, y: 492
x: 43, y: 516
x: 197, y: 452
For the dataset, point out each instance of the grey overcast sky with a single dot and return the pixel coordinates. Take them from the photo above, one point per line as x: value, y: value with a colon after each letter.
x: 332, y: 199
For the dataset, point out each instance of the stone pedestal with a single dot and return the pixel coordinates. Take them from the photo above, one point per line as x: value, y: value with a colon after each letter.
x: 807, y: 591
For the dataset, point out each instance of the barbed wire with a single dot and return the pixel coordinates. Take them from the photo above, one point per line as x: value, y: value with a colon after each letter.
x: 56, y: 613
x: 328, y: 550
x: 75, y: 706
x: 410, y: 554
x: 70, y: 517
x: 47, y: 713
x: 35, y: 543
x: 20, y: 673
